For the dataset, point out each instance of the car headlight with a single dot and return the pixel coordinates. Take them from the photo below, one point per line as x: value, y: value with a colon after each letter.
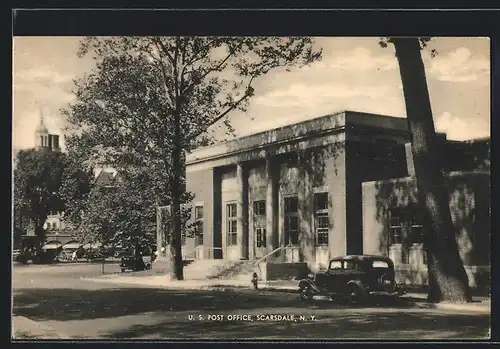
x: 310, y: 276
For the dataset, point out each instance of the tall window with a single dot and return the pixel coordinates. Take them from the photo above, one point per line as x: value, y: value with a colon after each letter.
x: 416, y: 229
x: 198, y: 218
x: 231, y: 224
x: 260, y: 237
x: 396, y: 227
x: 259, y: 223
x: 291, y: 220
x: 259, y: 208
x: 405, y: 224
x: 321, y: 218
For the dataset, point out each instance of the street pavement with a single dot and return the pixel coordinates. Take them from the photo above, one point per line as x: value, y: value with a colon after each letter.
x: 58, y: 297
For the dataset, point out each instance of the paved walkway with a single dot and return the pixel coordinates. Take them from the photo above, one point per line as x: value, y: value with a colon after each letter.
x: 24, y: 328
x: 480, y: 304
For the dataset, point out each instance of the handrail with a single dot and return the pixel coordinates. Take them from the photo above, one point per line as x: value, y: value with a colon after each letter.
x: 270, y: 254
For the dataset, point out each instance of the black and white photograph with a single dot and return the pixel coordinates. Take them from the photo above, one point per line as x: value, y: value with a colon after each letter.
x: 251, y: 188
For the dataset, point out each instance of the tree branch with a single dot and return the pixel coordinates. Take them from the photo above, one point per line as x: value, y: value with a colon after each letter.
x: 165, y: 85
x: 223, y: 114
x: 203, y: 76
x: 164, y: 49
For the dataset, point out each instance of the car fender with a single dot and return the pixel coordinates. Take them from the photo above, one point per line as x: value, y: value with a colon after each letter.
x: 310, y: 283
x: 357, y: 283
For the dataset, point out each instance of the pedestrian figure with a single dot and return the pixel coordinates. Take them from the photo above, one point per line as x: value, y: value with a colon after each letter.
x: 73, y: 256
x: 255, y: 279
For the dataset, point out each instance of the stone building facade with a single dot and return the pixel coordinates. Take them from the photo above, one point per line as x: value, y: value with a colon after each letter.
x: 303, y: 193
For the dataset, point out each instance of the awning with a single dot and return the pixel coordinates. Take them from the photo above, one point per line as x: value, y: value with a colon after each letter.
x: 51, y: 246
x: 70, y: 246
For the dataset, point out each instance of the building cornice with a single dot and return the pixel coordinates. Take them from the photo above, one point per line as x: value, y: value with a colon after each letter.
x: 267, y: 146
x: 274, y: 141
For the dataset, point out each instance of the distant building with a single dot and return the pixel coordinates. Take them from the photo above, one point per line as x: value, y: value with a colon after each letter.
x: 45, y: 140
x: 107, y: 177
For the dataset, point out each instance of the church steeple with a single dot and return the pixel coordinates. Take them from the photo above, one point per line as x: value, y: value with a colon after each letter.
x: 43, y: 139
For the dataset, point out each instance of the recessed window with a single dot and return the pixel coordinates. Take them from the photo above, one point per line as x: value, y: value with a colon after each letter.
x: 321, y: 217
x: 259, y: 208
x: 396, y: 227
x: 260, y: 236
x: 291, y: 221
x: 291, y: 205
x: 198, y: 218
x: 321, y: 201
x: 231, y: 224
x: 416, y: 229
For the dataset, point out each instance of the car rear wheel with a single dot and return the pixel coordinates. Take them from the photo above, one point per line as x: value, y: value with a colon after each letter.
x: 306, y: 294
x: 355, y: 295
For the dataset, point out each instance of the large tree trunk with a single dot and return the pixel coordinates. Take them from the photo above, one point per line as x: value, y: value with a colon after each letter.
x: 40, y: 234
x: 176, y: 192
x: 447, y: 277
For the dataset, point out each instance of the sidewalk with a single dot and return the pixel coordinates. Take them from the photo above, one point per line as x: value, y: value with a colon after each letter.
x: 479, y: 304
x: 24, y: 328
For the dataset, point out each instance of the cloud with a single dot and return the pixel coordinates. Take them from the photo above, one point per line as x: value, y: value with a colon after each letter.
x: 356, y: 60
x: 460, y: 66
x: 458, y: 129
x: 34, y: 88
x: 42, y: 75
x: 361, y: 59
x: 299, y: 94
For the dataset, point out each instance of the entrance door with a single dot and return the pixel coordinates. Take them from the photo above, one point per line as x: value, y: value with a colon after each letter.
x: 259, y: 228
x: 230, y: 249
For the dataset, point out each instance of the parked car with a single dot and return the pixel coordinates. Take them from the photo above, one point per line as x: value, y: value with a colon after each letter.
x: 92, y: 255
x: 15, y: 254
x: 134, y: 263
x: 355, y: 278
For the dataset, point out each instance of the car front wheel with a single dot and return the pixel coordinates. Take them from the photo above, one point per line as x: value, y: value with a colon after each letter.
x: 355, y: 295
x: 306, y: 294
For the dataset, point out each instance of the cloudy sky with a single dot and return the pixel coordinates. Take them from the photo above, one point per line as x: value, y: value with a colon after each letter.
x: 355, y: 74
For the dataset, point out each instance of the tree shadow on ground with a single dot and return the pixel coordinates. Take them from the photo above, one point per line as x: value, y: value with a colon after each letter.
x: 66, y: 304
x: 376, y: 325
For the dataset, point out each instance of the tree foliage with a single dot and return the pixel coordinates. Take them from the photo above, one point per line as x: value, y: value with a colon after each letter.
x: 152, y: 99
x: 45, y: 182
x: 123, y: 213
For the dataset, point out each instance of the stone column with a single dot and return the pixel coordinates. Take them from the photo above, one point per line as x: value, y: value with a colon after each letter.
x: 242, y: 207
x: 306, y: 207
x: 270, y: 216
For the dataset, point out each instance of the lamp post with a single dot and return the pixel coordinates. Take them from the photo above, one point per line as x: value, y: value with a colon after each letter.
x: 102, y: 252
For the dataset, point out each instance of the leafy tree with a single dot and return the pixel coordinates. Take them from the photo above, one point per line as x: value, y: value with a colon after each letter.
x: 152, y: 99
x: 447, y: 277
x: 38, y: 175
x: 75, y: 187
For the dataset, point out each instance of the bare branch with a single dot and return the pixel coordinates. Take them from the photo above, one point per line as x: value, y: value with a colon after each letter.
x: 232, y: 51
x: 163, y: 48
x: 248, y: 93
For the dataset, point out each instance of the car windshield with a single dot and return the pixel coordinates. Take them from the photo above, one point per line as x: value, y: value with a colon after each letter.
x: 380, y: 264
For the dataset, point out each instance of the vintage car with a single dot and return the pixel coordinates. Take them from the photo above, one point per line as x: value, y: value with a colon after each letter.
x: 354, y: 277
x: 134, y: 263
